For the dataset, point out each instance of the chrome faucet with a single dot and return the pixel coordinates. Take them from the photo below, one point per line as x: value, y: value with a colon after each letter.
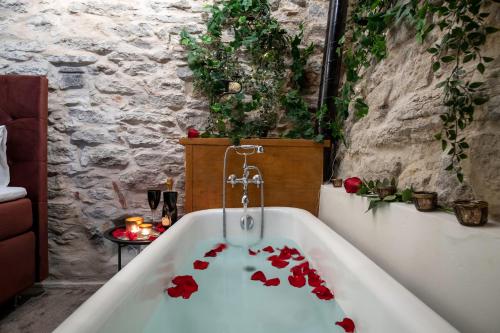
x: 246, y: 221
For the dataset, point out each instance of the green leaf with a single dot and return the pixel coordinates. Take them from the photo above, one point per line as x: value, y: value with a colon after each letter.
x: 480, y: 100
x: 447, y: 59
x: 444, y: 144
x: 475, y: 85
x: 406, y: 195
x: 460, y: 177
x: 490, y: 30
x: 480, y: 67
x: 449, y: 167
x: 488, y: 59
x: 432, y: 50
x: 435, y: 66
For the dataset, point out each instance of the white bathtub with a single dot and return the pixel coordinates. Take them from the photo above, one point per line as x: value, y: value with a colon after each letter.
x: 374, y: 300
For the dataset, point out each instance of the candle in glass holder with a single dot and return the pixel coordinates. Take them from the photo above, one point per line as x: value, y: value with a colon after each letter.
x: 132, y: 224
x: 146, y: 229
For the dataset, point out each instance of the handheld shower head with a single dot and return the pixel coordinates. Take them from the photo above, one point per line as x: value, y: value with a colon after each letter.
x: 259, y: 149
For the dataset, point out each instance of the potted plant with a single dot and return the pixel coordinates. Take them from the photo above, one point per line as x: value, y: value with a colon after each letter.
x: 253, y: 73
x: 424, y: 201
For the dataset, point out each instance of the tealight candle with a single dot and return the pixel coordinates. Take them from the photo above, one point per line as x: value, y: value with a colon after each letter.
x: 146, y: 229
x: 132, y: 224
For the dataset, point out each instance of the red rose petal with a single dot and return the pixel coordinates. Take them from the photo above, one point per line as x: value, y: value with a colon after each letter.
x: 131, y: 235
x: 161, y: 229
x: 314, y: 279
x: 220, y: 247
x: 182, y: 279
x: 152, y: 237
x: 175, y: 291
x: 347, y: 324
x: 258, y: 276
x: 301, y: 269
x: 273, y: 257
x: 252, y: 253
x: 268, y: 249
x: 199, y: 264
x: 299, y: 258
x: 297, y: 281
x: 272, y: 282
x: 211, y: 253
x: 279, y: 263
x: 119, y: 233
x: 323, y: 293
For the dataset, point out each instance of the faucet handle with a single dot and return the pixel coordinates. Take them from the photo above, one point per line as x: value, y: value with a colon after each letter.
x: 257, y: 180
x: 231, y: 180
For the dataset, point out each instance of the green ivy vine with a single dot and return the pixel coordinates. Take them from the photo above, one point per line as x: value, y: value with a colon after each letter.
x: 245, y: 44
x: 463, y: 33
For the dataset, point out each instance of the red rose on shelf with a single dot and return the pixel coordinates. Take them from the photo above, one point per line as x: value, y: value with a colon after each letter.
x: 193, y: 133
x: 272, y: 282
x: 352, y: 185
x: 258, y: 276
x: 268, y: 249
x: 347, y: 324
x: 199, y: 264
x: 297, y: 281
x: 323, y: 293
x: 185, y: 286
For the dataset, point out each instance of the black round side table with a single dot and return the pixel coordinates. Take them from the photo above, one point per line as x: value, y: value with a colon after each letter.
x: 108, y: 234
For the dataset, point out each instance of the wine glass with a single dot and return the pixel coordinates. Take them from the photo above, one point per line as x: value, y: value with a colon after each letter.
x: 153, y: 200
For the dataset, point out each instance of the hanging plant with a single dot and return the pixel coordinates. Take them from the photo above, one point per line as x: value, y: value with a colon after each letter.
x: 464, y: 32
x: 245, y: 44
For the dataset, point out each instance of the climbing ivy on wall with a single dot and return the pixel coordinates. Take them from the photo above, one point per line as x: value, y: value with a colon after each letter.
x: 457, y: 54
x: 246, y: 47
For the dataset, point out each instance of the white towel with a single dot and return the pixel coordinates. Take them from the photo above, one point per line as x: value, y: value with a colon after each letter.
x: 4, y: 167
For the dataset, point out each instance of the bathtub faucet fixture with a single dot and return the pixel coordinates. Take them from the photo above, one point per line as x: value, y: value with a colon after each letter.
x: 246, y: 220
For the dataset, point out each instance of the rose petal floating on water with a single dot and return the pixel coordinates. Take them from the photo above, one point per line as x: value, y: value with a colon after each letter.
x: 279, y: 263
x: 301, y: 269
x: 347, y: 324
x: 185, y: 286
x: 211, y: 253
x: 199, y: 264
x: 268, y: 249
x: 258, y: 276
x: 220, y: 247
x: 314, y: 279
x: 323, y: 293
x: 297, y: 281
x: 272, y: 282
x: 273, y: 257
x: 299, y: 258
x: 252, y: 253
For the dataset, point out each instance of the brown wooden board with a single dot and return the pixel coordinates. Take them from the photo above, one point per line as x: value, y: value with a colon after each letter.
x: 292, y: 171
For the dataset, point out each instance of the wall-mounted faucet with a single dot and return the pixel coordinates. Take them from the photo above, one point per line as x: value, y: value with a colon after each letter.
x: 246, y: 221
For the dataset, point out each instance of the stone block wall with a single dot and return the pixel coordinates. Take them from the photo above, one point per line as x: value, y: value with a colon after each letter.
x: 120, y: 97
x: 396, y: 138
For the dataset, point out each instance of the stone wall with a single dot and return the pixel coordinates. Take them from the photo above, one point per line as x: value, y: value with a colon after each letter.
x: 120, y: 97
x: 396, y: 138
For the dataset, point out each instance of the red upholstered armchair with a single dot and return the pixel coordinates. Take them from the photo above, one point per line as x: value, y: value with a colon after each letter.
x: 23, y: 222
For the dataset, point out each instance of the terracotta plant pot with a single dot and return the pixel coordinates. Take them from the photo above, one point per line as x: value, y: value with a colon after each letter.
x: 384, y: 191
x: 425, y: 201
x: 471, y: 213
x: 337, y: 182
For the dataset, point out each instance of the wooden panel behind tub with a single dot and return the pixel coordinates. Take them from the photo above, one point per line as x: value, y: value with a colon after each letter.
x: 292, y: 172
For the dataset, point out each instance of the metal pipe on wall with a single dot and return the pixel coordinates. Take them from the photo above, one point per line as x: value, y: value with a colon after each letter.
x: 330, y: 72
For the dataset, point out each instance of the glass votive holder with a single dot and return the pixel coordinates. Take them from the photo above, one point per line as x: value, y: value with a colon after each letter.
x: 146, y: 229
x: 132, y: 224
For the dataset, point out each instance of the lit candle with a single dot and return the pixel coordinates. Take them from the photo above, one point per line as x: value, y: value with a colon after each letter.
x: 146, y: 229
x: 132, y: 224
